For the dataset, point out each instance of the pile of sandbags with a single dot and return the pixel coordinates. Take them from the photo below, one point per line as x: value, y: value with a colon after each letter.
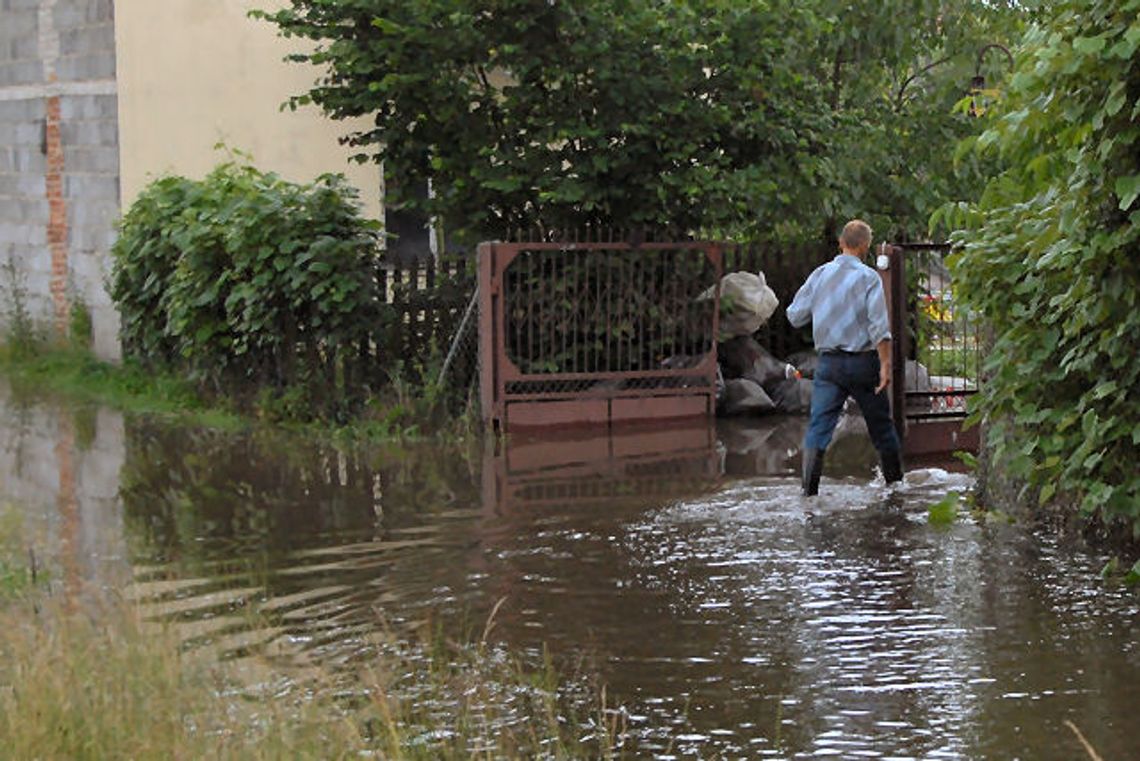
x: 751, y: 381
x: 755, y: 382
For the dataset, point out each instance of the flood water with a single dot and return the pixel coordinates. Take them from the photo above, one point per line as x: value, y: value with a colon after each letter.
x: 727, y: 616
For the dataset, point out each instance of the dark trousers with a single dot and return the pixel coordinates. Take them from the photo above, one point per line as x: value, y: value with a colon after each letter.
x: 837, y: 377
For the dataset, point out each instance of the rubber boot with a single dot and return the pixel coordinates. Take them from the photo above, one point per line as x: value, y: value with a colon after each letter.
x: 892, y: 466
x: 813, y: 469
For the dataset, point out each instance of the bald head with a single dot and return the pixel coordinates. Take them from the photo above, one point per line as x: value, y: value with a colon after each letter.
x: 856, y: 236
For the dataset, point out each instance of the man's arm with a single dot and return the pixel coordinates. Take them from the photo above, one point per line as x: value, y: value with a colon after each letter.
x: 880, y: 329
x: 799, y: 311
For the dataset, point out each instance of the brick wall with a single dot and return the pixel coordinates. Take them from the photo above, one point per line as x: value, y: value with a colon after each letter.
x: 59, y: 161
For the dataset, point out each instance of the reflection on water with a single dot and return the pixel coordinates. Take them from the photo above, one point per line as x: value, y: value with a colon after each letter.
x: 728, y: 616
x: 60, y: 468
x: 599, y: 467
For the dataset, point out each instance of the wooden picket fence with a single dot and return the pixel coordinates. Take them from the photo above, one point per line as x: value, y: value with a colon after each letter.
x: 429, y: 300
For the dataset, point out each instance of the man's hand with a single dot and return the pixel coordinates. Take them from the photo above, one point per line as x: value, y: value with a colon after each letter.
x: 884, y: 349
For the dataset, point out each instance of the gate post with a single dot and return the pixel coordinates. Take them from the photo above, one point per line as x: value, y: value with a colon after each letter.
x: 894, y: 288
x: 489, y: 293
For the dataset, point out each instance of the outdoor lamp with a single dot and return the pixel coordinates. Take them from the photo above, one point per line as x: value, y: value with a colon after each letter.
x: 978, y: 83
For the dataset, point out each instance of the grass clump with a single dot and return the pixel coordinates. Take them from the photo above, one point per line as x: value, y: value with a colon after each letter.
x: 73, y: 686
x: 76, y: 373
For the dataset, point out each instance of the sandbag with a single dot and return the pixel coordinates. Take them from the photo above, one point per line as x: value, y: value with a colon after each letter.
x: 745, y: 397
x: 746, y: 303
x: 792, y: 396
x: 744, y: 357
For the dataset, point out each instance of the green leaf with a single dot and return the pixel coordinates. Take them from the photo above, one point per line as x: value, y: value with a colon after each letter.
x: 1127, y: 189
x: 969, y: 459
x: 1132, y: 578
x: 1105, y: 389
x: 1089, y: 45
x: 387, y: 26
x: 1126, y: 47
x: 944, y: 511
x: 1089, y: 423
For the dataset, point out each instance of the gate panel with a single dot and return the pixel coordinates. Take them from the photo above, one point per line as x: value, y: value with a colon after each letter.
x: 568, y: 330
x: 936, y: 349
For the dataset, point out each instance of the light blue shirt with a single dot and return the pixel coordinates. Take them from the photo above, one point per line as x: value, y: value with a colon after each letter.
x: 843, y: 300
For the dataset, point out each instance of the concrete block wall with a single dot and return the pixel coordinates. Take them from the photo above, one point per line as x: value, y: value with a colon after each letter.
x: 91, y: 192
x: 23, y: 199
x: 59, y: 161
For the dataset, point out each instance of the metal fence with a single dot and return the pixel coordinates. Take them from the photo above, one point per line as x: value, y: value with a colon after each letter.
x: 577, y: 329
x: 597, y: 332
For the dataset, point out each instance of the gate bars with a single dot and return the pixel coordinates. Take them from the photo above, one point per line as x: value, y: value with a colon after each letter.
x: 594, y: 333
x: 936, y: 351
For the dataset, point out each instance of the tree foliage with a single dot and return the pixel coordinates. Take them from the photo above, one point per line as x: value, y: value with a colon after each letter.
x: 744, y: 117
x: 1050, y: 258
x: 896, y: 75
x: 528, y: 111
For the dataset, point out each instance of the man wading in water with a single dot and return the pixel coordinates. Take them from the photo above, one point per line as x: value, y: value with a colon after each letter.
x: 843, y: 300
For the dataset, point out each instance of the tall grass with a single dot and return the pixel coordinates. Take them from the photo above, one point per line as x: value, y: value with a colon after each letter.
x: 92, y: 679
x: 77, y: 687
x: 82, y: 686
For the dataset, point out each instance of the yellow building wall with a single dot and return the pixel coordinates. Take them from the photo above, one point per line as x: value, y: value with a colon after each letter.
x: 193, y: 73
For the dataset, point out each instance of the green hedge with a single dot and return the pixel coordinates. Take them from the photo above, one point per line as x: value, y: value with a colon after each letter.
x: 247, y: 282
x: 1051, y: 256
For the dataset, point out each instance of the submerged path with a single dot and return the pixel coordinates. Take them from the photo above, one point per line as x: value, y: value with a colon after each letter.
x: 728, y: 616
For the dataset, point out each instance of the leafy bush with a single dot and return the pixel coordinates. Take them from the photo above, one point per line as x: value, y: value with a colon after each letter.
x: 245, y: 280
x: 1051, y: 260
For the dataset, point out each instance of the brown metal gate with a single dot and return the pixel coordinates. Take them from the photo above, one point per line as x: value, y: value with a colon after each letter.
x: 937, y: 351
x: 594, y: 333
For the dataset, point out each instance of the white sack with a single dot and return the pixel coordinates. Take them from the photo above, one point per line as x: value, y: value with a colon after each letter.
x: 746, y: 303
